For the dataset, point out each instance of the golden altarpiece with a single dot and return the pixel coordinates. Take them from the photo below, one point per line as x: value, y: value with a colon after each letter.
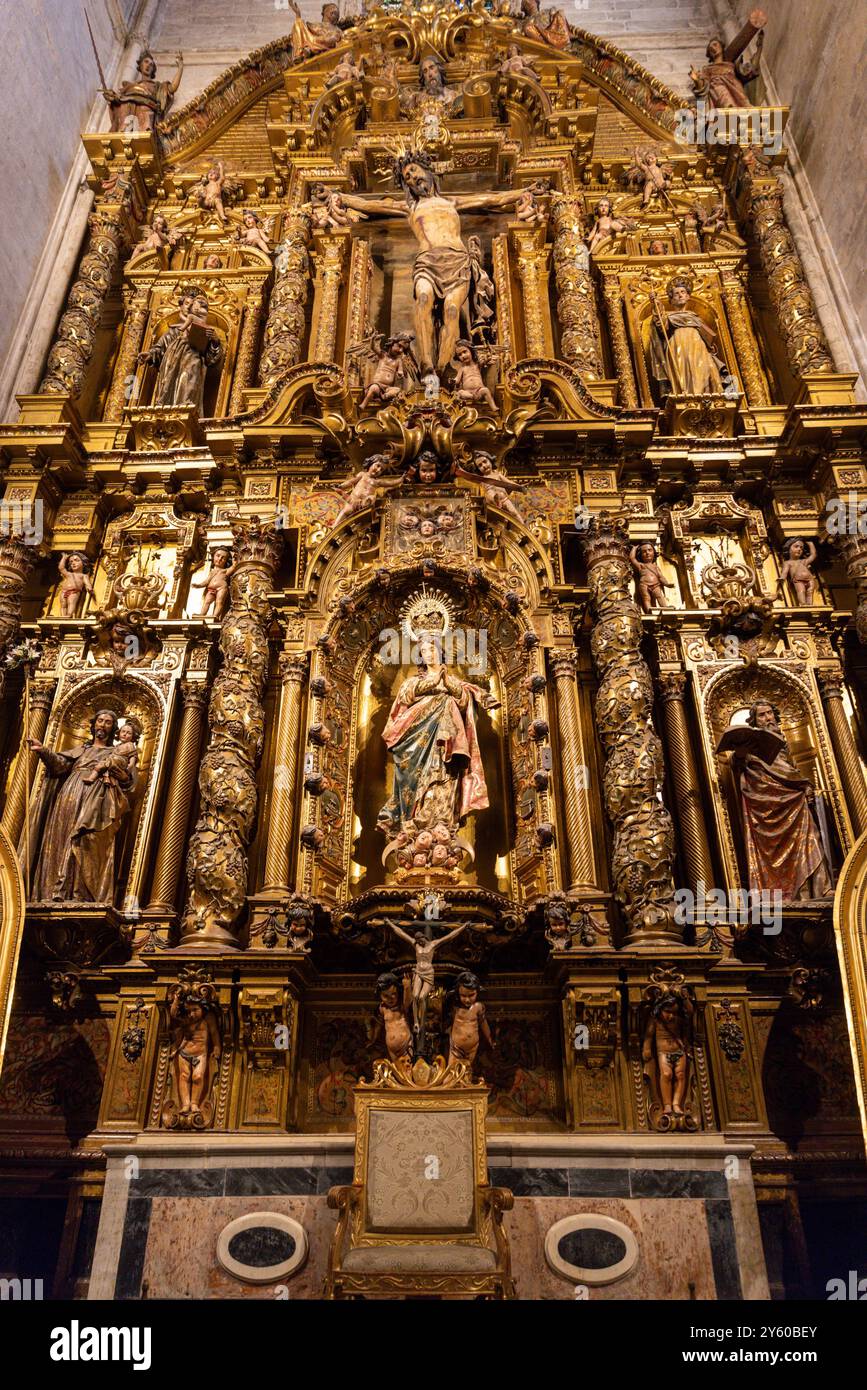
x: 427, y: 598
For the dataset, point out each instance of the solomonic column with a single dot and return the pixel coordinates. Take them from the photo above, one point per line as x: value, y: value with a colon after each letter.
x: 684, y: 776
x: 643, y: 852
x: 845, y: 750
x: 217, y: 863
x: 75, y: 339
x: 580, y: 343
x: 287, y: 319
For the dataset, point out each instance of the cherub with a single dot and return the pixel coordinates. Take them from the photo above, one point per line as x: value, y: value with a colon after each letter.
x: 707, y: 222
x: 252, y: 233
x: 348, y: 69
x: 392, y: 1021
x: 469, y: 1024
x: 647, y: 171
x: 423, y: 972
x: 328, y: 210
x: 396, y: 368
x: 667, y: 1046
x: 469, y: 384
x: 604, y: 225
x: 495, y: 485
x: 75, y: 582
x: 528, y: 210
x: 216, y: 586
x: 362, y: 488
x: 800, y: 556
x: 196, y: 1048
x: 211, y: 189
x: 516, y: 62
x: 649, y: 584
x: 160, y: 236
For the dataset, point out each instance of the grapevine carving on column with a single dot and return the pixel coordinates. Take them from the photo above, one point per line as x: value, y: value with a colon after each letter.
x: 643, y: 850
x: 136, y: 306
x: 330, y: 258
x: 853, y: 551
x: 16, y: 562
x: 806, y: 347
x: 217, y: 864
x: 73, y: 346
x: 284, y: 328
x: 576, y: 293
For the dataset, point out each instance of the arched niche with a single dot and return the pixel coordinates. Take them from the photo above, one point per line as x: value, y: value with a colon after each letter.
x: 345, y: 724
x: 69, y: 727
x: 727, y: 699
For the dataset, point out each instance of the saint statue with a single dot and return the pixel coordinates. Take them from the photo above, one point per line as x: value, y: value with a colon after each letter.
x: 142, y: 102
x: 431, y: 734
x: 84, y: 802
x: 308, y: 39
x: 183, y: 355
x: 783, y: 844
x: 721, y: 81
x: 544, y: 26
x: 684, y: 358
x: 443, y: 267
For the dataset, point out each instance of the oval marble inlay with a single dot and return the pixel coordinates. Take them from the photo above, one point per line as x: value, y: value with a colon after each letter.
x: 263, y: 1247
x: 590, y: 1249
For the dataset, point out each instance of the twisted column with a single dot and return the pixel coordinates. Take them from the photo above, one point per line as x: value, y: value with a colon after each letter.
x: 74, y: 341
x: 26, y: 763
x: 217, y: 863
x: 804, y: 338
x: 845, y: 749
x: 16, y: 562
x: 749, y: 362
x: 643, y: 852
x: 293, y: 674
x: 172, y: 845
x: 580, y: 342
x: 284, y: 327
x: 135, y: 321
x: 684, y: 776
x: 576, y: 792
x: 853, y: 552
x: 619, y: 341
x: 245, y: 362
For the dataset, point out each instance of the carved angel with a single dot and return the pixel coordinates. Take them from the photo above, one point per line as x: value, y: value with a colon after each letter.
x: 214, y: 190
x: 605, y: 225
x: 256, y: 231
x: 647, y: 172
x: 396, y: 368
x: 160, y: 237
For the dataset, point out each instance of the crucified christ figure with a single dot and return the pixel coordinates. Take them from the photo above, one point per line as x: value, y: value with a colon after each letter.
x: 442, y: 270
x: 423, y: 971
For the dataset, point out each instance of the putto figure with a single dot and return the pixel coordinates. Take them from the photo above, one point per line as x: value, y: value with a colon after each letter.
x: 495, y: 485
x: 212, y: 188
x: 469, y: 1023
x: 252, y: 233
x: 469, y: 384
x: 195, y: 1055
x: 666, y: 1051
x: 647, y: 173
x: 650, y: 586
x: 721, y: 81
x: 142, y: 102
x: 799, y: 558
x: 396, y: 369
x: 442, y: 272
x: 605, y: 226
x: 518, y: 63
x: 216, y: 586
x: 363, y: 487
x: 391, y: 1024
x: 75, y: 582
x: 160, y: 237
x: 328, y: 209
x: 183, y: 355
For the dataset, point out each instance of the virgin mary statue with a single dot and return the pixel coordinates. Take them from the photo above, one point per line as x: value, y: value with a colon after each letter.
x: 438, y: 775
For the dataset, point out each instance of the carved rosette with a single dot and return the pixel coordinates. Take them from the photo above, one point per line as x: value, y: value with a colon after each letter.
x: 643, y: 849
x: 806, y: 347
x: 576, y: 293
x: 284, y: 328
x: 73, y: 345
x: 217, y: 862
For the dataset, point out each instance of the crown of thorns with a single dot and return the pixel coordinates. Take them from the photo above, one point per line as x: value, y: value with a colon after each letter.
x: 402, y: 161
